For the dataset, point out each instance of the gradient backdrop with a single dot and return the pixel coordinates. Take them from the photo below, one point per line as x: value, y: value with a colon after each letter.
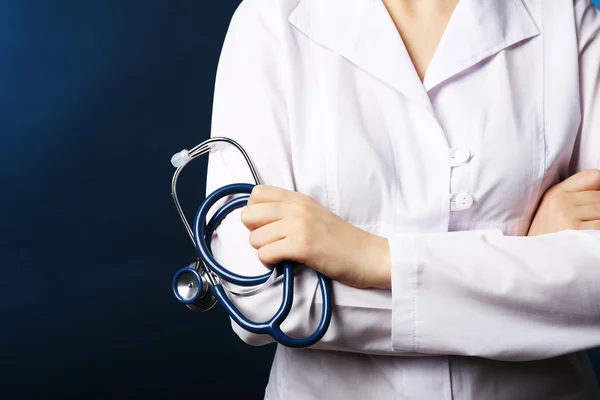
x: 95, y: 97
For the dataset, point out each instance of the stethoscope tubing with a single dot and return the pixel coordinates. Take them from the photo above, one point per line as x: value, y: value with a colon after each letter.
x: 216, y: 274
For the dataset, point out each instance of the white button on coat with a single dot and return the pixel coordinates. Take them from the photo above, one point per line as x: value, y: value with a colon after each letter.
x: 461, y: 201
x: 324, y: 97
x: 460, y: 156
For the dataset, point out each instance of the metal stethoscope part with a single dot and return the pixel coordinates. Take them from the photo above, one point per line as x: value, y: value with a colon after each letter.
x: 201, y: 285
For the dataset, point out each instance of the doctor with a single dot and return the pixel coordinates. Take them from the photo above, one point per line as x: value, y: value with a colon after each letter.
x: 439, y: 160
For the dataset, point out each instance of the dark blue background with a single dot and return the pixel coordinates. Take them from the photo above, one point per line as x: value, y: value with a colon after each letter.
x: 95, y: 97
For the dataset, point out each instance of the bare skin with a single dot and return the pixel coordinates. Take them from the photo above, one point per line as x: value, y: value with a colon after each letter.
x: 572, y: 204
x: 285, y: 225
x: 421, y: 24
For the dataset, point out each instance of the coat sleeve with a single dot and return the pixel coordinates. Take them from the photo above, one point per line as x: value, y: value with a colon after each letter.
x: 250, y: 106
x: 509, y: 298
x: 475, y: 293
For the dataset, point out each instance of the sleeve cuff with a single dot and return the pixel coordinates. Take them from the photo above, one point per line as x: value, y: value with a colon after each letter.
x: 405, y: 284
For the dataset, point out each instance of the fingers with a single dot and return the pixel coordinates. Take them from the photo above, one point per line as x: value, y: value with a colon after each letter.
x: 572, y: 204
x: 270, y: 194
x: 582, y: 181
x: 585, y: 198
x: 257, y: 215
x: 278, y: 251
x: 268, y: 234
x: 268, y: 204
x: 589, y: 212
x: 589, y: 225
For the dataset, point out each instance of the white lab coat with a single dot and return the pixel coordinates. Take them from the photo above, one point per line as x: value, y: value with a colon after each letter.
x: 324, y: 97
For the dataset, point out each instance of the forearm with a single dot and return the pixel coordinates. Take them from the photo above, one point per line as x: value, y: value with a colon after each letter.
x: 361, y: 318
x: 489, y: 295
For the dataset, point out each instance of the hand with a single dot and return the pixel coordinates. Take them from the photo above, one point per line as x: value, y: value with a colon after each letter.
x: 572, y: 204
x: 287, y: 225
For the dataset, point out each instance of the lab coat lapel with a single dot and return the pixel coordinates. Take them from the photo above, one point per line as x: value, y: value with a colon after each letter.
x: 478, y: 29
x: 363, y: 32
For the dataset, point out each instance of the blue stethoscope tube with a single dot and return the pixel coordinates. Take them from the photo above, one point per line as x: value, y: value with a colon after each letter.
x: 202, y: 234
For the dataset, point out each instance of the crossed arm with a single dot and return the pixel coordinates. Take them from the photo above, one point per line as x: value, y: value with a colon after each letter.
x: 476, y: 293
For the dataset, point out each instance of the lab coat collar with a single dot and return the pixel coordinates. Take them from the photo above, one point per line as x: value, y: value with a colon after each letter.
x: 478, y: 29
x: 363, y: 32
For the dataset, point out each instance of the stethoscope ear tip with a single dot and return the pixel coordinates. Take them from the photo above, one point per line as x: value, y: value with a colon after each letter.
x: 181, y: 158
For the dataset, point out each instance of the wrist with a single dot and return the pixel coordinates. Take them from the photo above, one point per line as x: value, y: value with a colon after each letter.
x: 380, y: 270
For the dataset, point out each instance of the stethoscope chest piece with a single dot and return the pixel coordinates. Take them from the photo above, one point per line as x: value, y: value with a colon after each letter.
x: 192, y: 288
x: 202, y: 284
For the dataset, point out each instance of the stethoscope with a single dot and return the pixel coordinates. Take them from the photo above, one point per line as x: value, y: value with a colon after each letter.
x: 202, y: 284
